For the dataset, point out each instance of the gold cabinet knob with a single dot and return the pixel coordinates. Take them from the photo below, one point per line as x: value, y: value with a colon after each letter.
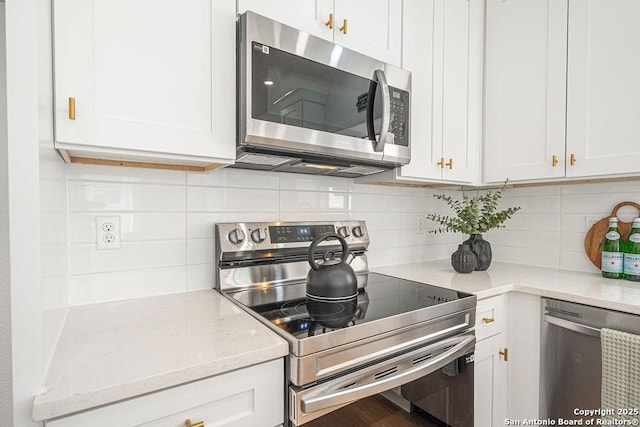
x: 504, y: 354
x: 572, y: 160
x: 441, y: 163
x: 488, y: 319
x: 344, y: 26
x: 72, y: 108
x: 554, y: 160
x: 329, y: 23
x: 188, y: 423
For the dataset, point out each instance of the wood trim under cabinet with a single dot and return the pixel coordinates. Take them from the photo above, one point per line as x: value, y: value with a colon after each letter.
x: 148, y: 165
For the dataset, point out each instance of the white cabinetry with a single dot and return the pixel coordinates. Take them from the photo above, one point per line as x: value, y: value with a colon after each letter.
x: 603, y: 130
x: 490, y: 382
x: 442, y: 47
x: 147, y: 81
x: 246, y: 398
x: 371, y: 27
x: 554, y: 62
x: 525, y: 83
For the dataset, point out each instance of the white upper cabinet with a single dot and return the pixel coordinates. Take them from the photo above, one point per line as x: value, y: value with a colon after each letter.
x: 525, y: 78
x: 442, y: 47
x: 603, y: 114
x: 371, y: 27
x: 152, y: 80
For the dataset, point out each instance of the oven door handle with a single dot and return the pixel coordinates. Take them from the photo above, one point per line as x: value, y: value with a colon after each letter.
x: 321, y: 400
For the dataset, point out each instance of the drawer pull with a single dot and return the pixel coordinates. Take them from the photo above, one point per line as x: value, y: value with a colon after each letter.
x: 188, y: 423
x: 72, y: 108
x: 488, y: 319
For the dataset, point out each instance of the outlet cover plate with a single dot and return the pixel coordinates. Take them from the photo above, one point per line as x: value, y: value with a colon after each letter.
x: 107, y: 232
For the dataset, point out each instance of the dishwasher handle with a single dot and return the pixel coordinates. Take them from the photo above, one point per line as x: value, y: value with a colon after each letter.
x: 573, y: 326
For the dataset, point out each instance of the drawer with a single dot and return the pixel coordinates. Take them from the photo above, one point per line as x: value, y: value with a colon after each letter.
x: 244, y: 398
x: 490, y: 317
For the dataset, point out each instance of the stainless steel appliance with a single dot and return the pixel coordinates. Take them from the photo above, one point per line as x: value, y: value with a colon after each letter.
x: 307, y: 105
x: 394, y: 332
x: 572, y: 357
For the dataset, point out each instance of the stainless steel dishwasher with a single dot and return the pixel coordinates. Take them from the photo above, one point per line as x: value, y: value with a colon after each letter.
x: 571, y: 371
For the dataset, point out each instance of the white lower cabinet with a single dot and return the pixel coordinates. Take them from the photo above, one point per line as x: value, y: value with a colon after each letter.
x: 490, y: 380
x: 248, y: 397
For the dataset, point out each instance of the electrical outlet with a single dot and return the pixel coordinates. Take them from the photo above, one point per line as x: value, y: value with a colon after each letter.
x: 421, y: 225
x: 590, y: 221
x: 108, y: 232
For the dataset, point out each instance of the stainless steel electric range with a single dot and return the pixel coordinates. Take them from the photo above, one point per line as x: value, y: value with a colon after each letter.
x: 395, y: 333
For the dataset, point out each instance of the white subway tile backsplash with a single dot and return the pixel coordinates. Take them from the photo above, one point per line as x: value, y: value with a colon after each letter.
x: 113, y: 196
x: 82, y: 172
x: 141, y: 282
x: 200, y: 277
x: 86, y: 259
x: 313, y: 201
x: 365, y: 202
x: 235, y: 178
x: 298, y: 182
x: 223, y: 199
x: 133, y: 226
x: 168, y: 217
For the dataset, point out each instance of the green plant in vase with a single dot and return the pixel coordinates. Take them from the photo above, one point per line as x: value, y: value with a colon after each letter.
x: 474, y: 215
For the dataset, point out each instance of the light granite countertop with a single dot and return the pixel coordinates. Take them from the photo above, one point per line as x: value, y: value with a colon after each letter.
x: 113, y: 351
x: 583, y: 288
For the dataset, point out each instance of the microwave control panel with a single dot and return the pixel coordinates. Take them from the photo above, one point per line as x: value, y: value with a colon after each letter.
x: 399, y: 116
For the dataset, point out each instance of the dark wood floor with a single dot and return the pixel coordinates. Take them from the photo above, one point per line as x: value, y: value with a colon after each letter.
x: 374, y: 411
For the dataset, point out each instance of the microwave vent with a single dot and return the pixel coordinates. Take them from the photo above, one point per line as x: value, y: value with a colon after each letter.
x: 361, y: 170
x: 263, y: 160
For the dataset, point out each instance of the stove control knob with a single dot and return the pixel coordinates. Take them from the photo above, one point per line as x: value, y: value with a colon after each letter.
x: 344, y: 232
x: 358, y: 231
x: 236, y: 236
x: 258, y: 235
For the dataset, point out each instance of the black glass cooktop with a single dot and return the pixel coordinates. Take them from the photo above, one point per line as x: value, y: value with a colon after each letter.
x: 383, y: 296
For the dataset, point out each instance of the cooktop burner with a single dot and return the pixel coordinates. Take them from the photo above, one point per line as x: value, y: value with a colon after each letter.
x: 382, y: 297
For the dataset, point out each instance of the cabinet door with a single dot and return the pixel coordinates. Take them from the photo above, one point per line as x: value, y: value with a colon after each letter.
x: 248, y: 397
x: 417, y: 36
x: 310, y: 16
x: 490, y: 383
x: 150, y: 79
x: 457, y: 86
x: 603, y: 130
x: 525, y: 89
x: 374, y: 28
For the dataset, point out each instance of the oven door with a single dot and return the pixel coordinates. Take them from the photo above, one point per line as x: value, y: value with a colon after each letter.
x: 449, y: 355
x: 303, y: 95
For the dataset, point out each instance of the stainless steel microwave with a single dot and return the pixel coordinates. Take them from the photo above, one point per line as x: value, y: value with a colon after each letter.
x: 308, y: 105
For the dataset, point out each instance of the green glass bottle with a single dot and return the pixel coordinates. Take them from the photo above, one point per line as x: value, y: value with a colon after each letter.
x: 632, y: 253
x: 612, y: 255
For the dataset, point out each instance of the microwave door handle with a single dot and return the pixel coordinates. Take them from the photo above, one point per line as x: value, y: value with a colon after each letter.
x: 381, y: 79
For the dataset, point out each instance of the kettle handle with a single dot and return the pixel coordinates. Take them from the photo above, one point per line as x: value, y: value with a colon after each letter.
x: 322, y: 237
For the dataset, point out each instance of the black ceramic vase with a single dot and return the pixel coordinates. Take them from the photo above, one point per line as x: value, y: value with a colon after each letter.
x: 464, y: 260
x: 482, y: 249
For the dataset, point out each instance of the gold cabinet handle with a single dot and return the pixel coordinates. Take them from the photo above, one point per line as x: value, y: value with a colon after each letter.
x: 488, y: 319
x: 554, y: 160
x: 329, y: 23
x: 344, y: 26
x: 72, y: 108
x: 441, y: 163
x: 504, y: 354
x: 188, y: 423
x: 572, y: 161
x: 449, y: 164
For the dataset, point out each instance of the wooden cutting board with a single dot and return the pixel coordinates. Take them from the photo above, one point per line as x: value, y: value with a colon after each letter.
x: 595, y: 235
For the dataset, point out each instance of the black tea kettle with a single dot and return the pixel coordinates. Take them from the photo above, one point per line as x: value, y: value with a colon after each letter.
x: 333, y: 279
